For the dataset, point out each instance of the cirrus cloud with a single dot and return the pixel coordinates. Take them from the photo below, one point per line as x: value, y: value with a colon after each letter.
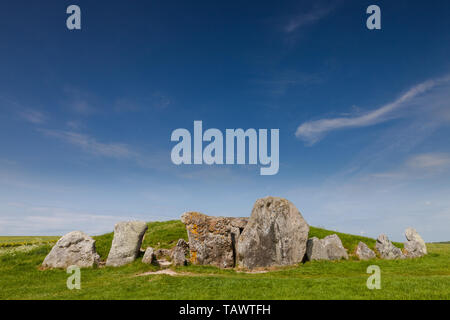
x: 313, y: 131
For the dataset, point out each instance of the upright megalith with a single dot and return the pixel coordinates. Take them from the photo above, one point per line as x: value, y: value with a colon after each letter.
x: 275, y: 235
x: 386, y: 249
x: 75, y: 248
x: 414, y: 246
x: 126, y: 243
x: 212, y: 240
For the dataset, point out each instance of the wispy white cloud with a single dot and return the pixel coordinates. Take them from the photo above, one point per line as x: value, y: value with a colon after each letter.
x: 51, y: 220
x: 430, y: 161
x: 33, y: 116
x: 91, y: 145
x: 80, y: 102
x: 307, y: 17
x: 418, y: 166
x: 312, y: 131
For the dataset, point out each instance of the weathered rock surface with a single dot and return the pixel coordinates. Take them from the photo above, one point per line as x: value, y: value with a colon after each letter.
x: 178, y: 256
x: 149, y: 256
x: 329, y: 248
x: 162, y: 253
x: 213, y: 240
x: 126, y: 243
x: 386, y: 249
x: 183, y: 244
x: 275, y: 235
x: 363, y: 252
x: 335, y: 249
x: 75, y: 248
x: 316, y: 250
x: 414, y: 246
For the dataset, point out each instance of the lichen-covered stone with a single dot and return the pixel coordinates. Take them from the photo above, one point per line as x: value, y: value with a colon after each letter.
x: 126, y: 243
x: 275, y: 235
x: 75, y: 248
x: 213, y: 240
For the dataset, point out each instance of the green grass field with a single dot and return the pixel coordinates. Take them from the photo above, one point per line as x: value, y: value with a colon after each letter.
x: 423, y: 278
x: 12, y: 241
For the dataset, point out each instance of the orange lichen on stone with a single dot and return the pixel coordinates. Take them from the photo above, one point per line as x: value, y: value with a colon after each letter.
x: 193, y: 258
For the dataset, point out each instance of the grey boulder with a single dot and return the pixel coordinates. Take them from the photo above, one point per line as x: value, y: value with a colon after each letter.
x: 363, y: 252
x: 329, y: 248
x: 386, y: 249
x: 275, y: 235
x: 126, y: 243
x: 316, y: 250
x: 75, y: 248
x: 414, y: 246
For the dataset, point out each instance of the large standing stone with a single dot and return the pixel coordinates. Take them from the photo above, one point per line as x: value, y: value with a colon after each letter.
x: 329, y: 248
x: 386, y: 249
x: 363, y: 252
x: 126, y: 243
x: 75, y: 248
x: 275, y: 235
x: 415, y: 246
x: 212, y: 240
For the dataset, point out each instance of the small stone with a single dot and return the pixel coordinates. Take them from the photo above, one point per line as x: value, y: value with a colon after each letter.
x: 149, y: 256
x: 363, y: 252
x: 162, y: 253
x: 184, y: 245
x: 178, y: 256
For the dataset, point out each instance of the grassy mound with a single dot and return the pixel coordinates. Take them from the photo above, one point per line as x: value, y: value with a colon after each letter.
x: 423, y: 278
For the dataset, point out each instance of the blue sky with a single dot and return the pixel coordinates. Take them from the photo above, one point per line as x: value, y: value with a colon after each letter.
x: 86, y: 116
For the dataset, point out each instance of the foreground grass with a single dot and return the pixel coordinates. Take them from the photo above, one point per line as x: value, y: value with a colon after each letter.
x: 423, y: 278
